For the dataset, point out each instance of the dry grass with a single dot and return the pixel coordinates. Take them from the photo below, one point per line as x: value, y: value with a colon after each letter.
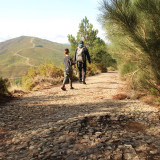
x: 14, y: 88
x: 151, y: 100
x: 16, y: 91
x: 120, y: 96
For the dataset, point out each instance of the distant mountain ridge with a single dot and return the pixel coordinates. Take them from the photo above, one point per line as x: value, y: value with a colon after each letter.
x: 18, y: 54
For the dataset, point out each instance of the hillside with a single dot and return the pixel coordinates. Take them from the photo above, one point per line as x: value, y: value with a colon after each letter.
x: 18, y: 54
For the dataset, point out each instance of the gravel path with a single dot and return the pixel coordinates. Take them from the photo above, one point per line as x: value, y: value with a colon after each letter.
x: 84, y: 123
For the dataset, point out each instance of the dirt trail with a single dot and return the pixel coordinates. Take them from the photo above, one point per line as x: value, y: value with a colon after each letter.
x: 84, y: 123
x: 27, y: 61
x: 33, y: 45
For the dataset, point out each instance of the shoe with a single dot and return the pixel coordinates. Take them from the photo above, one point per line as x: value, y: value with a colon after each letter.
x: 84, y: 82
x: 80, y: 81
x: 72, y: 88
x: 63, y: 88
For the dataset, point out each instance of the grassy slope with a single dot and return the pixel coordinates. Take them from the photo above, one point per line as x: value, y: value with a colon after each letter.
x: 14, y: 45
x: 12, y: 66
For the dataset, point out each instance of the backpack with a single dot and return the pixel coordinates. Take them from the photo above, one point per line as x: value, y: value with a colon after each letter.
x: 79, y: 57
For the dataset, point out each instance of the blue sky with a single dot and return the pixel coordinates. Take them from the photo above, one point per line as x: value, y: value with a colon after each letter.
x: 49, y: 19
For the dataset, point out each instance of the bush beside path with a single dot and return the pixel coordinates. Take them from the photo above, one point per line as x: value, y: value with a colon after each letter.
x: 84, y: 123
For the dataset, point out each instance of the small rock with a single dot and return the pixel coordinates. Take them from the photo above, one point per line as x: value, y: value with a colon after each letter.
x: 117, y: 156
x: 70, y: 140
x: 98, y: 134
x: 141, y: 148
x: 2, y: 154
x: 128, y: 156
x: 154, y: 151
x: 64, y: 145
x: 109, y: 148
x: 92, y: 156
x: 69, y: 151
x: 86, y: 137
x: 62, y: 138
x: 31, y: 147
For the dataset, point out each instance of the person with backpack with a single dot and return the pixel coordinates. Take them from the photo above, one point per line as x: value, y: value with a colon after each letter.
x: 81, y: 56
x: 68, y: 71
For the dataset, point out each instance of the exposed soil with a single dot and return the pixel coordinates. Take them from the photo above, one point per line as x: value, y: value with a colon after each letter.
x: 87, y: 122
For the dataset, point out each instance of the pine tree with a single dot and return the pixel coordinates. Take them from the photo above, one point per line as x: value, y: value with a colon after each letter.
x: 133, y: 27
x: 95, y: 45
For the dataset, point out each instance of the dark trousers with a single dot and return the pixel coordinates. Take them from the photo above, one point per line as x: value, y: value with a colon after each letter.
x: 67, y: 75
x: 82, y: 71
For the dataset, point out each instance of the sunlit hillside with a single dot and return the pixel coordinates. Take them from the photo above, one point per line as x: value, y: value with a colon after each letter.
x: 18, y: 54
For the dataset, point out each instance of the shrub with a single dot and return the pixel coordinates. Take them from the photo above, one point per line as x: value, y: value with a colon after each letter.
x: 4, y: 84
x: 31, y: 72
x: 39, y: 45
x: 102, y: 68
x: 127, y: 67
x: 44, y: 73
x: 134, y: 35
x: 111, y: 68
x: 27, y: 82
x: 49, y: 74
x: 92, y: 69
x: 154, y: 92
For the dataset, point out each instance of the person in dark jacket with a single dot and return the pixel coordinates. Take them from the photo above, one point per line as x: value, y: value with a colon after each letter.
x: 81, y: 56
x: 68, y: 71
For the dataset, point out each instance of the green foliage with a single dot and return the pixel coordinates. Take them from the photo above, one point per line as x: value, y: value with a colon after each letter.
x: 154, y: 92
x: 96, y: 46
x: 133, y: 28
x: 110, y: 62
x: 32, y: 72
x: 47, y: 72
x: 4, y: 84
x: 74, y: 44
x: 157, y: 100
x: 111, y: 68
x: 87, y: 33
x: 17, y: 81
x: 38, y: 45
x: 27, y: 82
x: 92, y: 70
x: 127, y: 67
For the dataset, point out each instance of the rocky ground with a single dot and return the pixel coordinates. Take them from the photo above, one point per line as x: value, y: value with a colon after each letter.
x: 81, y: 124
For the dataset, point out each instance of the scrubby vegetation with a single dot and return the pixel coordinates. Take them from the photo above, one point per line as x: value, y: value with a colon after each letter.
x: 133, y: 28
x: 4, y: 83
x: 47, y: 74
x: 92, y: 70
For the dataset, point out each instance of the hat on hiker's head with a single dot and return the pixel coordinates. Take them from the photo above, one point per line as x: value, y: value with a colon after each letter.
x: 81, y: 44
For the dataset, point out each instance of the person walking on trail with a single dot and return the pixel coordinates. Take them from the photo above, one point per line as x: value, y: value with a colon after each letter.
x: 80, y: 57
x: 68, y: 71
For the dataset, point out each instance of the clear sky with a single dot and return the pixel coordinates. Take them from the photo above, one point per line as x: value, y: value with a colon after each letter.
x: 48, y: 19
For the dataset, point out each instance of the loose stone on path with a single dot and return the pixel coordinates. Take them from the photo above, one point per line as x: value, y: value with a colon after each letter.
x: 84, y: 123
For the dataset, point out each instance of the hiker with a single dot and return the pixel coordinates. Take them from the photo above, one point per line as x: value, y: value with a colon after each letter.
x: 81, y: 54
x: 68, y: 71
